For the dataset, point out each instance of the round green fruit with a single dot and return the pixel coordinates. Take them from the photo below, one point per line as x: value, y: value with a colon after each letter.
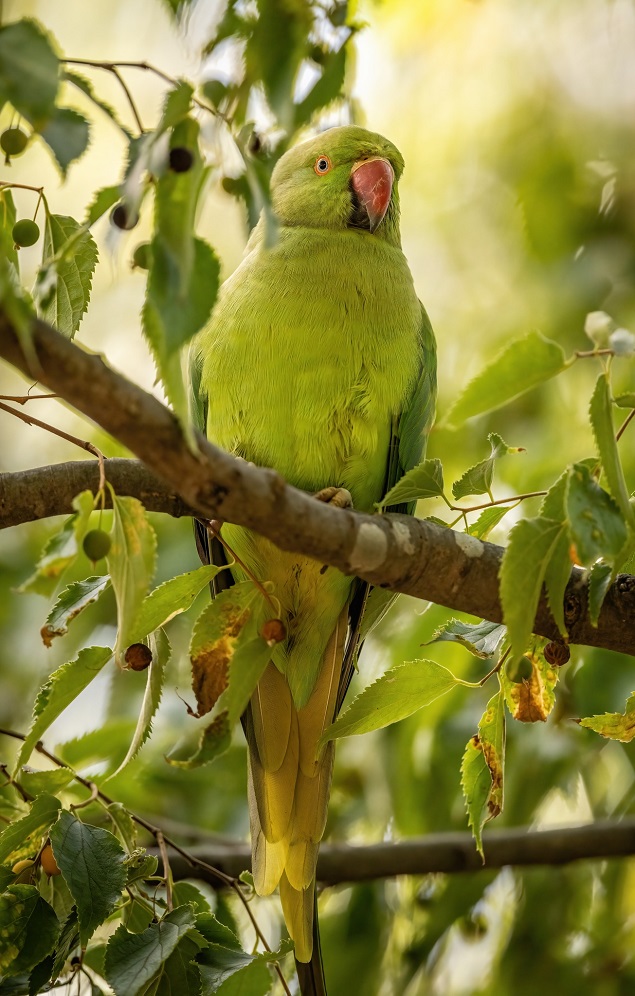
x: 13, y: 141
x: 141, y: 256
x: 25, y: 232
x: 96, y: 544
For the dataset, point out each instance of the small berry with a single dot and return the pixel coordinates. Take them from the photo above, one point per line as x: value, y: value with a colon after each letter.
x: 48, y: 862
x: 141, y: 256
x: 25, y: 232
x: 121, y: 217
x: 181, y: 160
x: 138, y: 657
x: 96, y: 544
x: 273, y: 631
x: 13, y: 141
x: 557, y: 654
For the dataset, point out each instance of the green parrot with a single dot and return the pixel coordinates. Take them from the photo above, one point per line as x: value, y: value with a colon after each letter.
x: 320, y: 362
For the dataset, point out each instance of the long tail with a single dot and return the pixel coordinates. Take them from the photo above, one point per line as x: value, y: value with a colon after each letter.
x: 289, y: 787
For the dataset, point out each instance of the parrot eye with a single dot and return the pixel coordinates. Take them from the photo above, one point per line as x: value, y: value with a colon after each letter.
x: 322, y: 165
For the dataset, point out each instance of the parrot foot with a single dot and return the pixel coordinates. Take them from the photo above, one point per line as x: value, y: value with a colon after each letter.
x: 339, y: 497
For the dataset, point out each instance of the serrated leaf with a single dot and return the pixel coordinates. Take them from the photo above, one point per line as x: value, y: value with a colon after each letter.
x: 43, y: 813
x: 482, y: 769
x: 28, y: 929
x: 161, y: 651
x: 212, y: 741
x: 600, y: 577
x: 423, y: 481
x: 531, y: 699
x: 67, y: 942
x: 532, y: 543
x: 488, y: 519
x: 29, y: 70
x: 63, y: 686
x: 70, y: 603
x: 233, y: 973
x: 596, y: 525
x: 8, y: 218
x: 67, y: 134
x: 396, y: 694
x: 478, y: 479
x: 57, y: 555
x: 614, y: 725
x: 102, y: 201
x: 133, y: 961
x: 481, y: 639
x: 626, y: 400
x: 225, y: 628
x: 557, y: 574
x: 124, y: 824
x: 87, y: 88
x: 131, y: 564
x: 92, y: 863
x: 520, y: 366
x: 169, y: 599
x: 38, y: 782
x: 75, y: 256
x: 602, y: 425
x: 186, y: 893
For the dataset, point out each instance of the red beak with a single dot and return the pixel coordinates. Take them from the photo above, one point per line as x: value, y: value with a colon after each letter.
x: 372, y: 181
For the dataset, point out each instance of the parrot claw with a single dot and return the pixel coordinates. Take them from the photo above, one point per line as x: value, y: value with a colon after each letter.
x: 339, y: 497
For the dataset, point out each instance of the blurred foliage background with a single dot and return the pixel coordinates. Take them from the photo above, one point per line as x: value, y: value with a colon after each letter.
x: 515, y: 121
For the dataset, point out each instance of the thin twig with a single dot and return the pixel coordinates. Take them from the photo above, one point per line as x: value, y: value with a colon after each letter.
x: 94, y: 795
x: 18, y: 399
x: 82, y: 443
x: 167, y: 873
x: 111, y: 67
x: 22, y: 186
x: 214, y: 528
x: 159, y: 836
x: 498, y: 501
x: 584, y: 354
x: 628, y: 418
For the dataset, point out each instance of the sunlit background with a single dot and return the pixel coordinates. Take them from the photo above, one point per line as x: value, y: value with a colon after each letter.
x: 515, y: 118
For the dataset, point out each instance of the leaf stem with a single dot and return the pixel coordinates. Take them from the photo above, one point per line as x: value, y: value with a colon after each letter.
x: 624, y: 424
x: 214, y: 527
x: 498, y: 501
x: 167, y: 871
x: 584, y: 354
x: 23, y: 186
x: 21, y: 399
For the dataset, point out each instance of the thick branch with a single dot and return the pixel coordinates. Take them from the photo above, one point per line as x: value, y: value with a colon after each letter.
x: 395, y: 552
x: 451, y: 852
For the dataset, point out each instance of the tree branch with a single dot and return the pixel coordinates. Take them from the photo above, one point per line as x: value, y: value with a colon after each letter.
x: 449, y: 852
x: 393, y: 551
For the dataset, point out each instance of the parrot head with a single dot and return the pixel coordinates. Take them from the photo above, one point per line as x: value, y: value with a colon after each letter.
x: 344, y: 178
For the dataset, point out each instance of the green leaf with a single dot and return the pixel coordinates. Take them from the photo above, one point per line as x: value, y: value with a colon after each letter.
x: 530, y: 700
x: 532, y: 543
x: 274, y: 51
x: 520, y: 366
x: 226, y: 651
x: 602, y: 425
x: 102, y: 201
x: 29, y: 70
x: 28, y: 929
x: 131, y: 563
x: 161, y: 650
x: 423, y: 481
x: 38, y: 782
x: 43, y: 813
x: 478, y: 479
x: 212, y: 741
x: 68, y: 941
x: 600, y: 577
x: 169, y: 599
x: 59, y: 552
x: 325, y: 90
x: 481, y: 639
x: 557, y: 574
x: 133, y: 961
x: 67, y: 134
x: 597, y: 527
x: 614, y: 725
x: 8, y: 218
x: 482, y: 769
x: 60, y: 690
x: 488, y: 519
x: 87, y: 88
x: 626, y: 400
x: 92, y: 863
x: 233, y: 973
x: 396, y: 694
x: 216, y: 932
x: 75, y: 254
x: 186, y: 893
x: 70, y: 603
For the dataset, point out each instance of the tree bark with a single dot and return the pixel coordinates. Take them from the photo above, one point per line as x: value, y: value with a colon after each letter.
x: 392, y: 551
